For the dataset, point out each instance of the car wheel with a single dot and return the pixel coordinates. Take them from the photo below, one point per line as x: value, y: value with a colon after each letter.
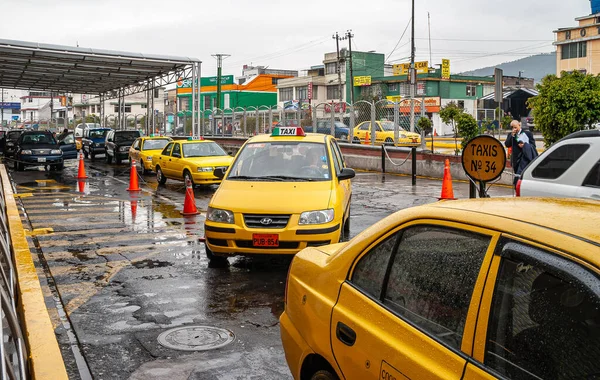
x: 389, y: 141
x: 16, y: 165
x: 20, y: 167
x: 355, y: 140
x: 346, y: 227
x: 324, y: 375
x: 344, y: 137
x: 213, y: 260
x: 160, y: 177
x: 60, y: 166
x: 187, y: 176
x: 107, y: 157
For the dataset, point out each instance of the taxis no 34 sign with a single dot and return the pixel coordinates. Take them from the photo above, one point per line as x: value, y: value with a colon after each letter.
x: 484, y: 158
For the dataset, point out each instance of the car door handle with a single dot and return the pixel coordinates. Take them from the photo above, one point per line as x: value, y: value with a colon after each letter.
x: 345, y: 334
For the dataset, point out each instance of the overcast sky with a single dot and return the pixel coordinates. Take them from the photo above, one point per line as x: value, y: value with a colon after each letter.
x: 295, y: 35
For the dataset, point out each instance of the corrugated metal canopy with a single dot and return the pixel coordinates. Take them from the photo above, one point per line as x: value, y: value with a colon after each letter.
x: 510, y: 93
x: 30, y: 65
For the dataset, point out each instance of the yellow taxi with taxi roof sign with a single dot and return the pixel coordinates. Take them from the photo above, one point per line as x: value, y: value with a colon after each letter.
x: 144, y: 148
x: 474, y: 289
x: 192, y: 159
x: 284, y: 192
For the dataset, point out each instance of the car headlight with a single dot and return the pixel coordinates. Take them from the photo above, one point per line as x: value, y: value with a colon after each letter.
x: 402, y: 136
x: 26, y: 151
x: 149, y: 158
x: 206, y: 169
x: 55, y: 151
x: 219, y: 216
x: 124, y: 149
x: 316, y: 217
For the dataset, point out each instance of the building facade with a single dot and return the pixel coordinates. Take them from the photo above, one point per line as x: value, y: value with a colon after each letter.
x: 135, y: 105
x: 10, y: 106
x: 578, y: 47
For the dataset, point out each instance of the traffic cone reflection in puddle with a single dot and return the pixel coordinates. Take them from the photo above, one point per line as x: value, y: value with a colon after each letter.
x: 81, y: 186
x: 133, y: 209
x: 189, y: 204
x: 133, y: 178
x: 81, y: 171
x: 447, y: 192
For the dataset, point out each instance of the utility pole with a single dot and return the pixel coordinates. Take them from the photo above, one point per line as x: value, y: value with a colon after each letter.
x: 219, y: 66
x: 339, y: 70
x: 413, y: 85
x: 349, y: 36
x: 2, y: 108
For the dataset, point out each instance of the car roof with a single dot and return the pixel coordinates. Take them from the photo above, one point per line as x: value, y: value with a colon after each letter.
x: 309, y: 137
x: 194, y: 141
x: 581, y: 134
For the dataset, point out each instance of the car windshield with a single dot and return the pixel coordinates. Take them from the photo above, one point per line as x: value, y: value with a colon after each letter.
x: 202, y: 149
x: 38, y: 138
x: 13, y: 135
x: 126, y: 136
x: 389, y: 126
x: 155, y: 144
x: 98, y: 133
x: 282, y: 161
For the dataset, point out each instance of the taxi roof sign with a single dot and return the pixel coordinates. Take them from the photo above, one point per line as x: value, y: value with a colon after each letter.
x: 288, y: 131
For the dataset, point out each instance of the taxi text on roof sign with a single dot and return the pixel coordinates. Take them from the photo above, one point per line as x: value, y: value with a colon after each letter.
x: 484, y: 158
x: 288, y: 131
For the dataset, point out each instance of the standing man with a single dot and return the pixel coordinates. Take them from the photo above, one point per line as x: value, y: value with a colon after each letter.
x: 512, y: 142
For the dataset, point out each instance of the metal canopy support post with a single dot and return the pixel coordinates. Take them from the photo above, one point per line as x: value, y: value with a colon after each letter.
x: 118, y: 124
x: 198, y: 107
x: 102, y: 112
x: 193, y: 100
x: 332, y: 126
x: 373, y: 126
x: 147, y: 118
x: 152, y: 109
x: 396, y: 122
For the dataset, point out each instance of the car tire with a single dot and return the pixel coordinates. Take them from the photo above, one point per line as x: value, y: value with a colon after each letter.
x: 215, y: 261
x: 389, y: 141
x: 324, y: 375
x: 186, y: 175
x: 16, y: 166
x: 20, y: 167
x: 60, y: 166
x: 355, y: 140
x: 160, y: 177
x: 344, y: 137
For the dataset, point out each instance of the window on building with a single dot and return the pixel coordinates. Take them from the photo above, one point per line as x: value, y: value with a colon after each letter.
x: 273, y: 81
x: 302, y: 93
x: 207, y: 103
x: 574, y: 50
x: 144, y: 106
x: 461, y: 104
x: 127, y: 108
x: 404, y: 89
x: 393, y: 87
x: 471, y: 90
x: 156, y: 93
x: 286, y: 94
x: 333, y: 91
x: 331, y: 68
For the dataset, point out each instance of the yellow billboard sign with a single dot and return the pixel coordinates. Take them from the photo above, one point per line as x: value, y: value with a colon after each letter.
x: 362, y: 80
x: 394, y: 98
x: 445, y: 69
x: 422, y: 67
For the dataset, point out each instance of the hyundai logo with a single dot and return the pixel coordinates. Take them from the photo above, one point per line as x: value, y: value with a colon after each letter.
x: 266, y: 221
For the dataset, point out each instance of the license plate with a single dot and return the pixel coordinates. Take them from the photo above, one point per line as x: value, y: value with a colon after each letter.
x: 265, y: 240
x: 41, y: 159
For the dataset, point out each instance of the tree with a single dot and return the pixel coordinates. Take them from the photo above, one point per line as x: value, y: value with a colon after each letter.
x: 449, y: 114
x: 467, y: 127
x: 424, y: 124
x: 566, y: 104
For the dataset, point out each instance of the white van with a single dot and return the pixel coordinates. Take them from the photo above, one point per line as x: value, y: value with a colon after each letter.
x: 82, y: 126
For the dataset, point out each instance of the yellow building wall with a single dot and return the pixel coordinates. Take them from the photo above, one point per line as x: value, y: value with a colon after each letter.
x: 591, y: 62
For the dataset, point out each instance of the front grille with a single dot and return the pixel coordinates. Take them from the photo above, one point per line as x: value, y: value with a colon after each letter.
x: 317, y: 243
x: 282, y: 245
x: 266, y: 220
x: 40, y: 151
x: 218, y: 242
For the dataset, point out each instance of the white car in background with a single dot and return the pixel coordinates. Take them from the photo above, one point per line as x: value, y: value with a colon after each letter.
x: 568, y: 169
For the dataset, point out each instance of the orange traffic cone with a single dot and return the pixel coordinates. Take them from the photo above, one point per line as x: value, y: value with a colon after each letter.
x: 189, y: 204
x: 435, y: 133
x: 367, y: 139
x: 81, y: 172
x: 133, y: 178
x: 447, y: 192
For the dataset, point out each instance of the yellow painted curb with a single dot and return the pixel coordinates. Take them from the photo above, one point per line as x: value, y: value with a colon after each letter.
x: 23, y: 195
x: 45, y: 359
x: 39, y: 231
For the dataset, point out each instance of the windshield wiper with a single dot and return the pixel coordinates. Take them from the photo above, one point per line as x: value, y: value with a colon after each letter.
x: 288, y: 178
x: 246, y: 178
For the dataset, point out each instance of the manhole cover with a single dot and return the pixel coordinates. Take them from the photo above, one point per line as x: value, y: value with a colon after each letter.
x: 196, y: 338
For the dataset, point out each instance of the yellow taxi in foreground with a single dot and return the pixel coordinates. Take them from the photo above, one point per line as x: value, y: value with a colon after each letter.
x: 475, y: 289
x: 284, y: 192
x: 385, y: 134
x: 144, y: 148
x: 193, y: 160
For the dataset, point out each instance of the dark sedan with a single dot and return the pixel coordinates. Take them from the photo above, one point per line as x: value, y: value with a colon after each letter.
x: 37, y: 148
x: 10, y: 145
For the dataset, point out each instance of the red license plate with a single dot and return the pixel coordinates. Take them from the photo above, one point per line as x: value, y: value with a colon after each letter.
x: 265, y: 240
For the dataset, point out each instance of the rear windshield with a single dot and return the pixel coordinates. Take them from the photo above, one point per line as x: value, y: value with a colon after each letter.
x: 155, y: 144
x: 126, y: 136
x: 99, y: 133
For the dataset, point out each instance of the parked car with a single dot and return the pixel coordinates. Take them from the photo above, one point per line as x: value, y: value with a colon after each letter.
x: 473, y: 289
x: 144, y: 148
x: 117, y: 145
x: 35, y: 148
x: 67, y: 144
x: 10, y: 146
x: 92, y: 142
x: 384, y: 134
x: 569, y: 168
x: 342, y: 131
x: 193, y: 160
x: 81, y: 127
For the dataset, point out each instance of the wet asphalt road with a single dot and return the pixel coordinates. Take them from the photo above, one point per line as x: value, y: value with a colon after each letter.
x: 119, y: 269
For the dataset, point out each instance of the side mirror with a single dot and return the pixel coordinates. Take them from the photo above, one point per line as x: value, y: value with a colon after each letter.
x: 137, y: 148
x: 346, y: 173
x: 219, y: 173
x: 61, y: 142
x: 109, y: 140
x: 230, y: 153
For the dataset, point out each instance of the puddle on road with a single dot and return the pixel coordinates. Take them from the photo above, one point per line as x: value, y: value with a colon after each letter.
x: 150, y: 264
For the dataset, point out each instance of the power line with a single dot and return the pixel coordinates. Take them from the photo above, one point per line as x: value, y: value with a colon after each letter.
x: 400, y: 39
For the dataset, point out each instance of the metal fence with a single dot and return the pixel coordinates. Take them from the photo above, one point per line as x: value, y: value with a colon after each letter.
x: 329, y: 118
x: 13, y: 351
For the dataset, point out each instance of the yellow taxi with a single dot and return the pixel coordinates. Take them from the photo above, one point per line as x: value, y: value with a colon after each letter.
x: 193, y: 159
x: 384, y: 134
x: 144, y: 148
x: 284, y: 192
x: 474, y: 289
